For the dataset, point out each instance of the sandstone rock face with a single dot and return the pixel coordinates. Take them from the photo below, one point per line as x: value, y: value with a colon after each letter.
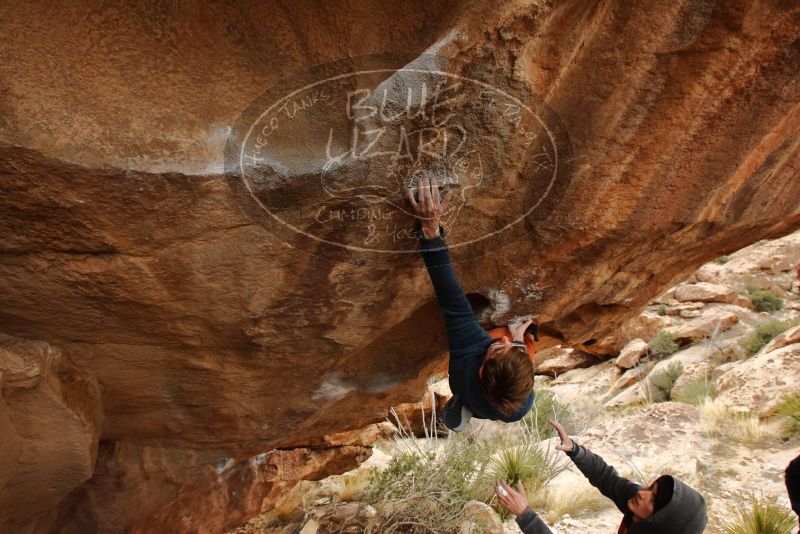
x: 234, y: 490
x: 763, y: 266
x: 758, y: 384
x: 419, y: 418
x: 50, y: 422
x: 573, y: 387
x: 631, y: 376
x: 215, y: 336
x: 704, y: 292
x: 788, y: 337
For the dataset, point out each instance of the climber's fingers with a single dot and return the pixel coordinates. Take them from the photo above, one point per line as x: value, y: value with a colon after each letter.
x: 435, y: 198
x: 411, y: 194
x: 446, y: 200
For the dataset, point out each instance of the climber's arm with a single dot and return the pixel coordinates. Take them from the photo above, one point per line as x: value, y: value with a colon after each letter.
x: 603, y: 476
x: 516, y: 502
x: 463, y: 328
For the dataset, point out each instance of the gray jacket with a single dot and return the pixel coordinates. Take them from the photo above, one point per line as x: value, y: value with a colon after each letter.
x: 685, y: 513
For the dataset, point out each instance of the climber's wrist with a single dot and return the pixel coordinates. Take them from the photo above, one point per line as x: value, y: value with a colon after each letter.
x: 430, y: 231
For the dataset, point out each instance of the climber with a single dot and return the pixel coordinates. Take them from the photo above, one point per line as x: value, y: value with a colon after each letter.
x: 490, y: 378
x: 793, y: 484
x: 665, y: 506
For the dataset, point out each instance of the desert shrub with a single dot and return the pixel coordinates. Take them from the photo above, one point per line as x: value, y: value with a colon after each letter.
x: 764, y: 334
x: 764, y: 300
x: 664, y: 380
x: 662, y: 345
x: 425, y: 491
x: 696, y: 392
x: 661, y: 309
x: 717, y: 420
x: 758, y: 515
x: 790, y: 409
x: 722, y: 260
x: 545, y: 406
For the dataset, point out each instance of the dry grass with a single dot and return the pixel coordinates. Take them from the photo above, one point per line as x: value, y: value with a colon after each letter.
x: 574, y: 498
x: 719, y: 421
x: 354, y: 484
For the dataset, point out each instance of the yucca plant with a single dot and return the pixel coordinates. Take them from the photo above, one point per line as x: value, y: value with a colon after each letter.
x: 514, y: 465
x: 758, y: 515
x: 528, y: 464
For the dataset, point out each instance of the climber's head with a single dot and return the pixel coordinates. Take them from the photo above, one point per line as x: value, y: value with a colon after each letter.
x: 668, y: 505
x: 506, y: 375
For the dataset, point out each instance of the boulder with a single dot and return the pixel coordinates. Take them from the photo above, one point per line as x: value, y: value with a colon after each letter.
x: 419, y: 418
x: 310, y: 527
x: 688, y: 306
x: 631, y: 376
x: 228, y: 316
x: 722, y: 369
x: 480, y: 518
x: 692, y: 373
x: 570, y: 359
x: 712, y: 322
x: 631, y: 353
x: 710, y: 273
x: 50, y: 421
x: 583, y: 385
x: 643, y: 326
x: 705, y: 292
x: 549, y: 353
x: 636, y: 394
x: 757, y: 384
x: 363, y: 437
x: 790, y: 336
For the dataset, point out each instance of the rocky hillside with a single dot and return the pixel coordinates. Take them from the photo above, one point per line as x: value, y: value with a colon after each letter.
x: 187, y: 340
x: 705, y: 408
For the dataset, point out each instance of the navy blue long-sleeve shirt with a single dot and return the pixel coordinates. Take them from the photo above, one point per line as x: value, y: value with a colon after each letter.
x: 466, y: 339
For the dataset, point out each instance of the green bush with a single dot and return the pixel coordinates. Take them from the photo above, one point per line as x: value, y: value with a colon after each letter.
x: 722, y: 260
x: 790, y: 409
x: 764, y: 334
x: 545, y: 406
x: 758, y: 515
x: 695, y: 392
x: 662, y: 345
x: 661, y: 309
x: 664, y: 381
x: 427, y: 490
x: 765, y: 300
